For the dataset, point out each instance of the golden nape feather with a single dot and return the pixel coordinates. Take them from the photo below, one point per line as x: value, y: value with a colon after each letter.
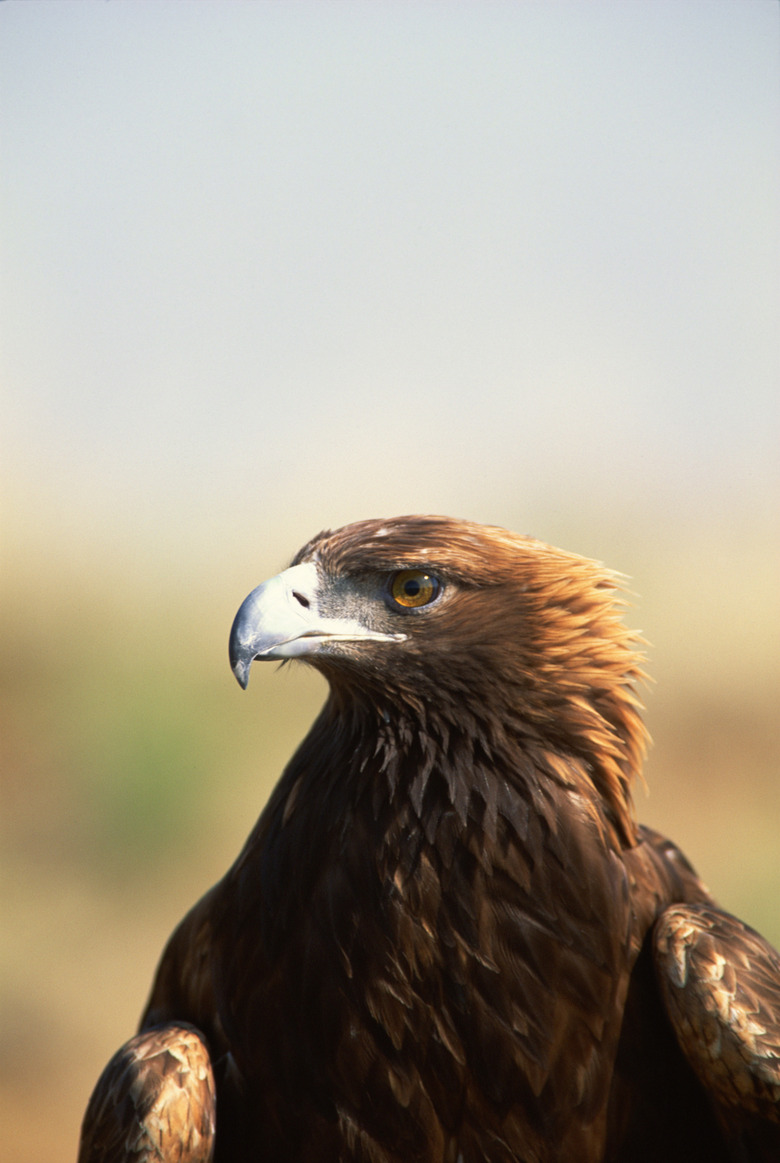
x: 446, y: 938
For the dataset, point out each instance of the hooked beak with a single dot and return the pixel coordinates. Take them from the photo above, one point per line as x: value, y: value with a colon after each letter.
x: 281, y: 619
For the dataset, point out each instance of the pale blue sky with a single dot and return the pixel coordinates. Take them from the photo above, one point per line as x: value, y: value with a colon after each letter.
x: 301, y: 263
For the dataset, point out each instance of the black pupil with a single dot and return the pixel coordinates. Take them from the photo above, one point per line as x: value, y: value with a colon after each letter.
x: 412, y: 588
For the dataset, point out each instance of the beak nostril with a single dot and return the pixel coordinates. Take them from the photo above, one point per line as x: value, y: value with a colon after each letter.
x: 300, y: 598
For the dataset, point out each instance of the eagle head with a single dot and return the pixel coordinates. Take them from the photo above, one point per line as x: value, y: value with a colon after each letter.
x: 458, y: 623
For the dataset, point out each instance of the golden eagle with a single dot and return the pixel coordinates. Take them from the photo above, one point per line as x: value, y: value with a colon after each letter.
x: 446, y: 939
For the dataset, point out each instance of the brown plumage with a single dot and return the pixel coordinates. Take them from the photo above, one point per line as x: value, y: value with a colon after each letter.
x: 446, y: 939
x: 156, y: 1100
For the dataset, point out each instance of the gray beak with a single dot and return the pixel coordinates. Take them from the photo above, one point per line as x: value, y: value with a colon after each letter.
x: 272, y: 619
x: 281, y: 619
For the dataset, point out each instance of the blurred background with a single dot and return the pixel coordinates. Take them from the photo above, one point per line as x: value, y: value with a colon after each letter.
x: 272, y: 267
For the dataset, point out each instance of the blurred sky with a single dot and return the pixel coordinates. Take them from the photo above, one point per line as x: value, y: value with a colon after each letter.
x: 293, y: 264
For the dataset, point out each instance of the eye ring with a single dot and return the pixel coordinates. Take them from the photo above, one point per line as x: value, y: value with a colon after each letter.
x: 410, y: 589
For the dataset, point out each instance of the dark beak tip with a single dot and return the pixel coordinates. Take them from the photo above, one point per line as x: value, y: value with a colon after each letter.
x: 240, y: 657
x: 241, y: 668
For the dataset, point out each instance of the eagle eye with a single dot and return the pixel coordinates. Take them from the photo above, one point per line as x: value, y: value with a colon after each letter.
x: 412, y: 588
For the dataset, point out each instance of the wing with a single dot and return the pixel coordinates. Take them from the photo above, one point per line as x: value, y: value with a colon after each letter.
x: 154, y: 1100
x: 720, y: 982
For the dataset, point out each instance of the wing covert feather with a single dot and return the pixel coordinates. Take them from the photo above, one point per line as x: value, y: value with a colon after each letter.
x: 154, y: 1100
x: 720, y: 981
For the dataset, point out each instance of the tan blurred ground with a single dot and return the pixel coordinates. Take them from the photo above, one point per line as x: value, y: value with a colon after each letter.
x: 134, y: 767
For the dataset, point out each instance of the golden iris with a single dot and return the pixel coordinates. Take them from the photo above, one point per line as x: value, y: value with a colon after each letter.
x: 412, y: 588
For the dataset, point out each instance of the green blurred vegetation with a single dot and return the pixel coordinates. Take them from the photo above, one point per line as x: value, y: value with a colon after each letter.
x: 134, y: 767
